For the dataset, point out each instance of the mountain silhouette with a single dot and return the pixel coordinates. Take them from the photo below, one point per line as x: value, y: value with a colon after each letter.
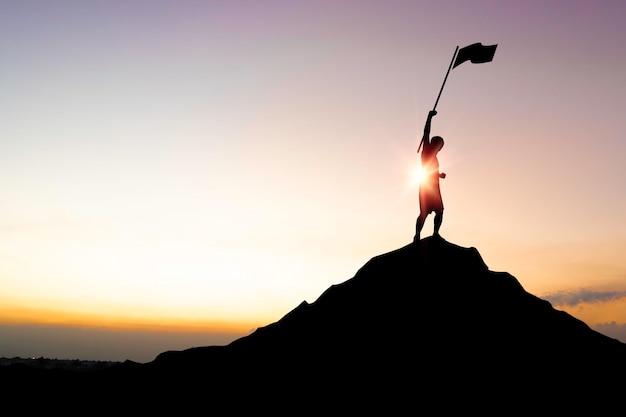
x: 425, y: 327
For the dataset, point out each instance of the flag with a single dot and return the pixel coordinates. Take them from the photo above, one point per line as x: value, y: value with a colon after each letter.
x: 477, y: 53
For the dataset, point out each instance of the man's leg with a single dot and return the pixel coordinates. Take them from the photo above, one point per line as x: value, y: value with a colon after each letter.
x: 438, y: 221
x: 419, y: 225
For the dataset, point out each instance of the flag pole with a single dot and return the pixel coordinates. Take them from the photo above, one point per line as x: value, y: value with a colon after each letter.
x: 441, y: 90
x: 444, y: 80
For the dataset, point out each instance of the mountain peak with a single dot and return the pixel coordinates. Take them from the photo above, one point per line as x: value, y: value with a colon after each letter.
x: 430, y: 308
x: 422, y: 324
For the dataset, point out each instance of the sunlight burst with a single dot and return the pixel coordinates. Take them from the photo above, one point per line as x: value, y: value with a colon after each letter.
x: 419, y: 174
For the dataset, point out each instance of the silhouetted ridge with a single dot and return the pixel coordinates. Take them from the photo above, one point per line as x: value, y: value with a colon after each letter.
x: 427, y: 308
x: 426, y: 322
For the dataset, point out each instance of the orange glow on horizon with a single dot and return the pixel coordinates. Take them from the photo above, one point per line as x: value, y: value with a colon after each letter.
x: 39, y: 316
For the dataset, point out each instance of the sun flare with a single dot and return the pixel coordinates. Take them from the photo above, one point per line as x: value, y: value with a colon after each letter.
x: 419, y: 174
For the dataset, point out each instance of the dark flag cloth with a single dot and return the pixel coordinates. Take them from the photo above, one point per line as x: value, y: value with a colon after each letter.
x: 477, y: 53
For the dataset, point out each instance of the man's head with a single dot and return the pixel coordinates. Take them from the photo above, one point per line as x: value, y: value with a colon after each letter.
x: 437, y: 142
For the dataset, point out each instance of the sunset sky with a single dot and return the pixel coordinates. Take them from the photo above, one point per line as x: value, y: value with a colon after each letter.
x: 179, y: 173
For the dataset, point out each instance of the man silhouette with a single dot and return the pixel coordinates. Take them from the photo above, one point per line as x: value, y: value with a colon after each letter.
x: 429, y: 192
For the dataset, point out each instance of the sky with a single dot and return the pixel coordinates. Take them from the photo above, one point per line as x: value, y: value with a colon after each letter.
x: 179, y: 173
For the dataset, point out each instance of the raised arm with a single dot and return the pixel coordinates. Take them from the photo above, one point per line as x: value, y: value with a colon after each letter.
x: 426, y: 136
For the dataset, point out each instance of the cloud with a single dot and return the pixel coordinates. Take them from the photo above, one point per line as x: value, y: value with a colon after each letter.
x: 583, y: 295
x: 612, y: 329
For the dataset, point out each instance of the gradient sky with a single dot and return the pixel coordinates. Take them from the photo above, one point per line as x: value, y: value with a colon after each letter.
x: 178, y: 173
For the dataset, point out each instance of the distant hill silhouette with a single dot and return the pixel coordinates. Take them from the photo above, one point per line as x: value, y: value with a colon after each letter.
x: 427, y: 325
